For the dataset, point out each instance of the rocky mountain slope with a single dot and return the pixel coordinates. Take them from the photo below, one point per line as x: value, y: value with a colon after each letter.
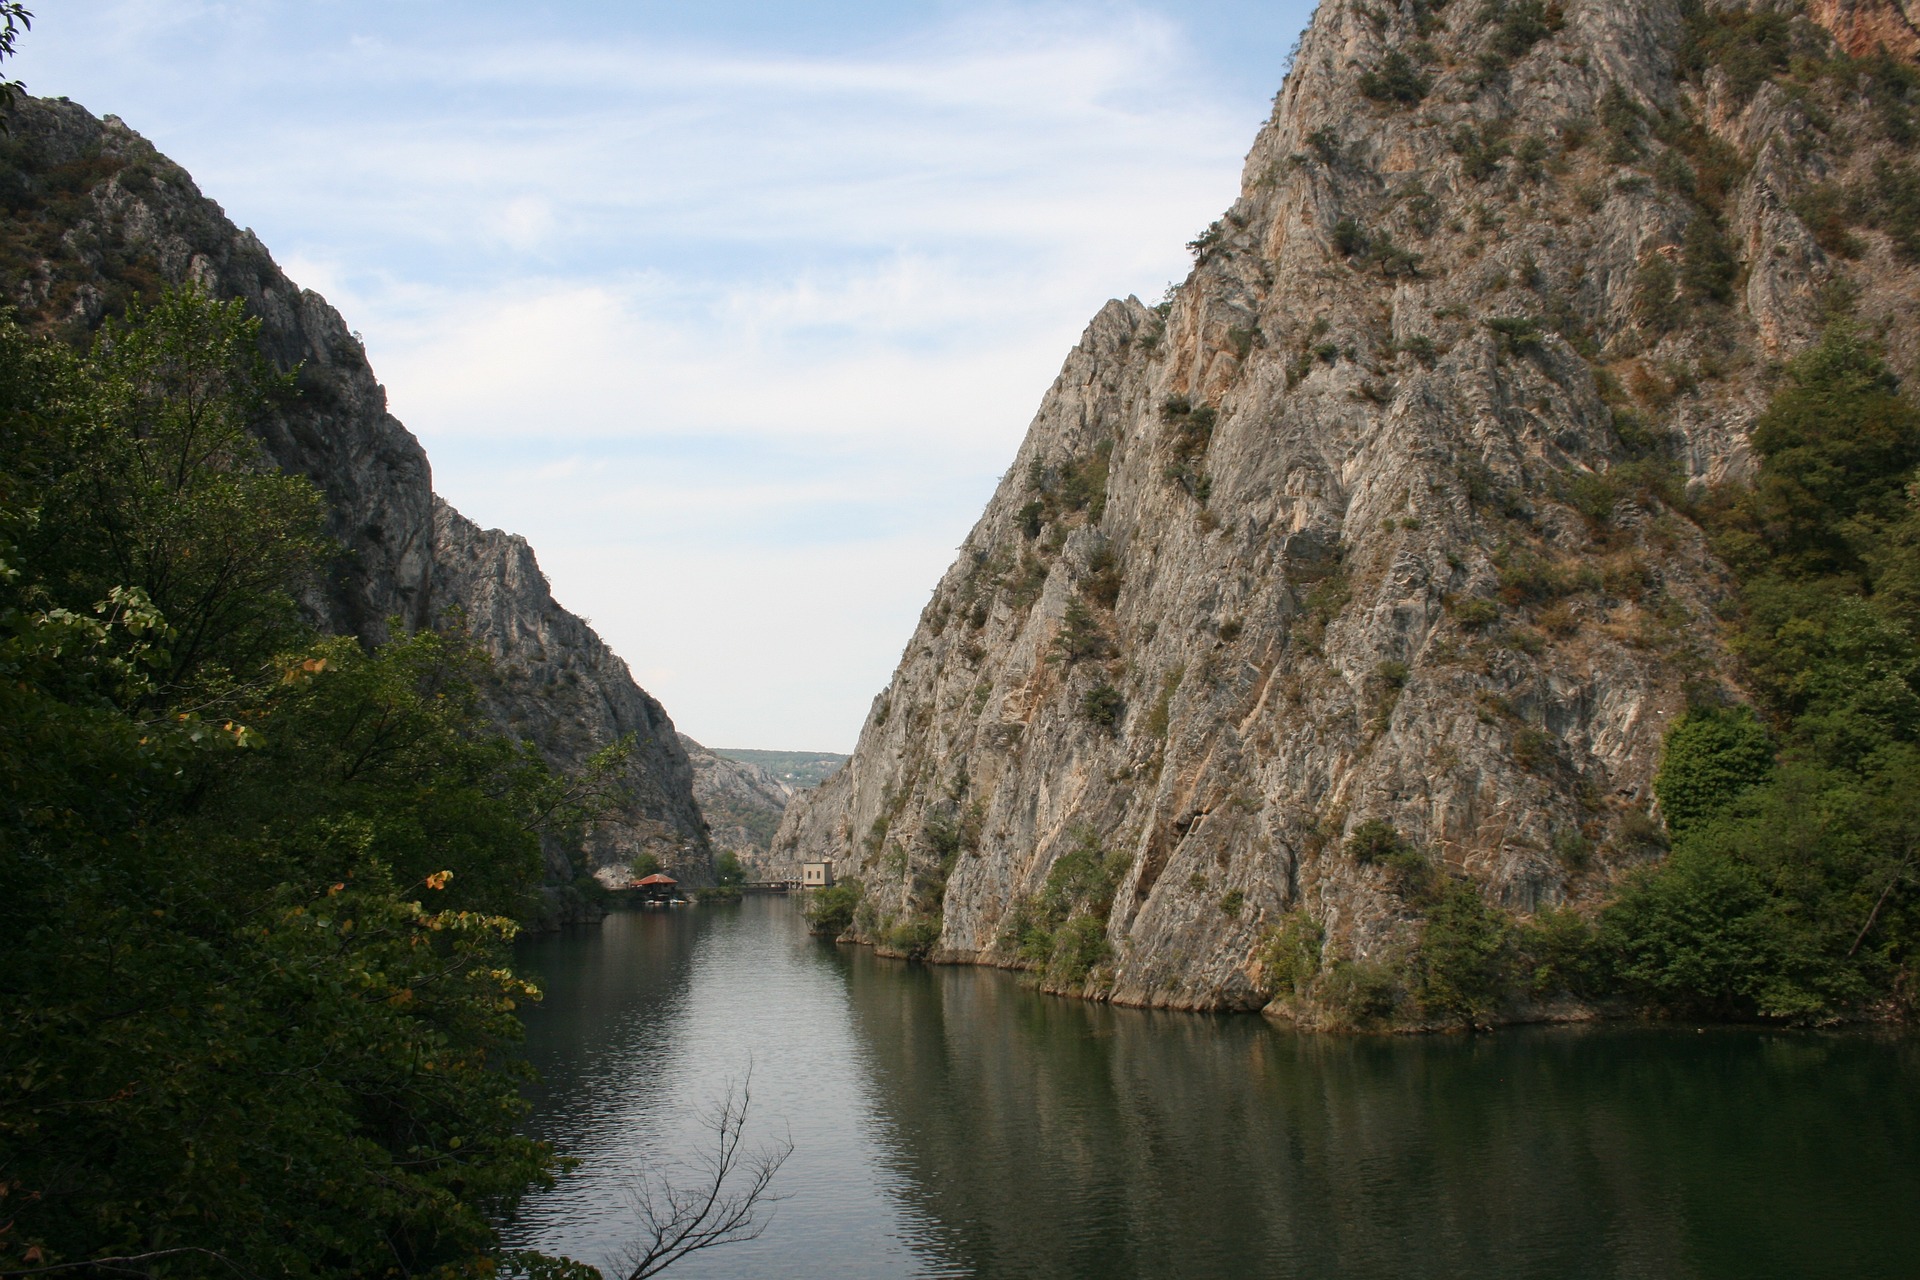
x: 1373, y: 535
x: 96, y: 217
x: 742, y: 802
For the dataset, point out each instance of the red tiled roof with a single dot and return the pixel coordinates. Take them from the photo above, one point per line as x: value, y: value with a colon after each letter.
x: 655, y: 878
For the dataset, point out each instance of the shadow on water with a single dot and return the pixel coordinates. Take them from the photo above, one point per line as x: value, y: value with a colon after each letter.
x: 952, y: 1122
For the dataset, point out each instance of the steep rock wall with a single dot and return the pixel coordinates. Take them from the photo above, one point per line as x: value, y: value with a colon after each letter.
x: 96, y: 216
x: 742, y: 803
x: 1375, y: 520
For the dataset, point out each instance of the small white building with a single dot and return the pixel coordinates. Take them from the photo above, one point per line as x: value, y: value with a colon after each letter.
x: 816, y: 875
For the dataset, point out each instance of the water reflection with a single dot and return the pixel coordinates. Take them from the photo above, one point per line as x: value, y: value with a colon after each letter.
x: 948, y: 1121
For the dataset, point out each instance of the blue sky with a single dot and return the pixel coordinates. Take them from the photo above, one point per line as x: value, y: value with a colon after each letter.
x: 736, y: 310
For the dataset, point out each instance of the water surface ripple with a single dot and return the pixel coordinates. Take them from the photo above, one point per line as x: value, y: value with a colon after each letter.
x: 950, y: 1122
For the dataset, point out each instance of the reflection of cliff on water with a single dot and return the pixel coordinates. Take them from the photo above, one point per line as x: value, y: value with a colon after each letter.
x: 1047, y: 1137
x: 611, y: 1004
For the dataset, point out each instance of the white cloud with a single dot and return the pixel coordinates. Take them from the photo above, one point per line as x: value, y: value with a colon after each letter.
x: 740, y: 340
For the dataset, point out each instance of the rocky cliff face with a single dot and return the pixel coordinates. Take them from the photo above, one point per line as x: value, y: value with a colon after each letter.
x: 1378, y: 519
x: 95, y: 216
x: 742, y: 803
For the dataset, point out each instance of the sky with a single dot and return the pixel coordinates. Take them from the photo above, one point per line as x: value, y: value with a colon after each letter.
x: 736, y: 311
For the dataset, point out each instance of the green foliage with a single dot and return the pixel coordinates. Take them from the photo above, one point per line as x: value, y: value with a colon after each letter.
x: 915, y: 938
x: 14, y: 18
x: 1189, y: 432
x: 1081, y: 636
x: 1460, y: 969
x: 1791, y: 890
x: 644, y: 865
x: 1103, y: 705
x: 255, y: 886
x: 1838, y: 444
x: 727, y: 869
x: 1656, y: 301
x: 1515, y: 335
x: 1291, y: 953
x: 1374, y: 841
x: 1397, y: 81
x: 1104, y: 578
x: 1624, y: 123
x: 1079, y: 484
x: 1480, y: 151
x: 1518, y: 25
x: 1062, y: 930
x: 1712, y: 755
x: 1364, y: 993
x: 1750, y: 46
x: 830, y: 910
x: 1232, y: 901
x: 1532, y: 749
x: 1708, y: 268
x: 1473, y: 612
x: 1348, y: 238
x: 1078, y: 945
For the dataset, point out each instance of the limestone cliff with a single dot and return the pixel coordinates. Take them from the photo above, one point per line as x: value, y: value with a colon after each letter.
x: 742, y: 803
x: 95, y: 217
x: 1377, y: 520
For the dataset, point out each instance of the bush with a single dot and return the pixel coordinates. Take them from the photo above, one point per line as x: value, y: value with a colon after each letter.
x: 1518, y: 25
x: 1708, y: 268
x: 916, y: 938
x: 1396, y: 81
x: 1104, y: 578
x: 830, y: 911
x: 1460, y: 968
x: 1363, y: 992
x: 1103, y: 705
x: 1474, y: 613
x: 1374, y: 841
x: 1291, y: 953
x: 1515, y: 335
x: 1711, y: 756
x: 1081, y: 636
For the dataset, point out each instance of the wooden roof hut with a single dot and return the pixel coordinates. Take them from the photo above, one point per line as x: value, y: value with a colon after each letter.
x: 656, y: 887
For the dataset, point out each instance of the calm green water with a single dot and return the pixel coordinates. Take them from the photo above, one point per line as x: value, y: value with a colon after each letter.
x: 948, y: 1122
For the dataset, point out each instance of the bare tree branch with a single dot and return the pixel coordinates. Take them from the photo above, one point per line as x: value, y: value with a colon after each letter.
x: 723, y: 1196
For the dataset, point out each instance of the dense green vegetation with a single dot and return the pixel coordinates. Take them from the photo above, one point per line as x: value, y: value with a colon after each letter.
x: 256, y: 886
x: 1062, y: 930
x: 1792, y: 889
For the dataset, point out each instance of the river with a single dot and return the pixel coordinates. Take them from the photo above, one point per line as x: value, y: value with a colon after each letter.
x: 952, y: 1122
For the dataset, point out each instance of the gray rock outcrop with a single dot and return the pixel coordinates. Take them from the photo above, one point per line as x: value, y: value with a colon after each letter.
x: 96, y: 216
x: 742, y: 803
x: 1372, y: 520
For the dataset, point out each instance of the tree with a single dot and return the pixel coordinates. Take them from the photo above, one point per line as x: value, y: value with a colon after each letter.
x: 1712, y: 755
x: 723, y: 1197
x: 256, y: 886
x: 14, y: 19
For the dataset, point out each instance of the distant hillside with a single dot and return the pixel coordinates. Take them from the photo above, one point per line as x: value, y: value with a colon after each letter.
x: 798, y: 769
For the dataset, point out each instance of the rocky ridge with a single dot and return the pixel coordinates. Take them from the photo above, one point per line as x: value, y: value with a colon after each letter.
x: 742, y: 802
x: 1378, y: 523
x: 96, y: 217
